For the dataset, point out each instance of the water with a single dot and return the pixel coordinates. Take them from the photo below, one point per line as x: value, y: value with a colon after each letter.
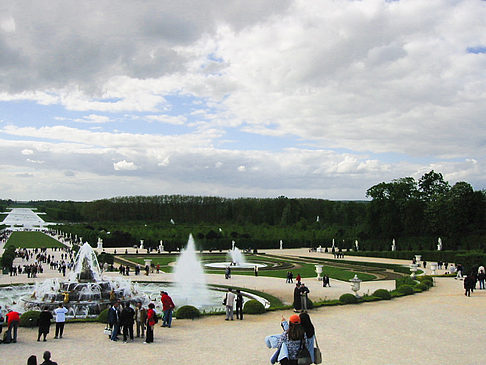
x: 236, y: 256
x: 189, y: 282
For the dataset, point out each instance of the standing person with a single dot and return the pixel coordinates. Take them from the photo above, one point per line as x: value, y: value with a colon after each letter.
x: 13, y: 319
x: 32, y: 360
x: 140, y: 319
x: 255, y: 270
x: 325, y: 281
x: 298, y: 278
x: 2, y: 320
x: 303, y: 296
x: 469, y: 282
x: 229, y: 302
x: 47, y: 359
x: 310, y: 332
x: 126, y: 320
x: 114, y: 321
x: 293, y: 338
x: 297, y: 301
x: 167, y: 308
x: 151, y: 321
x: 44, y: 323
x: 239, y: 305
x: 291, y: 277
x: 481, y: 278
x: 60, y: 312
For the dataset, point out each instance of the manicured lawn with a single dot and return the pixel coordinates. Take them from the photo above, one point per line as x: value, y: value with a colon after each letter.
x: 306, y: 270
x: 32, y: 240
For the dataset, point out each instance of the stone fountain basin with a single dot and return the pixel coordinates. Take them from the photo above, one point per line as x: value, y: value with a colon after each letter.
x: 224, y: 265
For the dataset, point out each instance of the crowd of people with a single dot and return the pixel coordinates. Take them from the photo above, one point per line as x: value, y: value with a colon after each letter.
x: 42, y: 257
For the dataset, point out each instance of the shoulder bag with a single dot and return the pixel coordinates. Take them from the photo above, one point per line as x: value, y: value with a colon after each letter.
x: 317, y: 353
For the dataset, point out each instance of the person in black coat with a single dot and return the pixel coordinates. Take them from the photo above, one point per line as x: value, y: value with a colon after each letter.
x: 126, y: 321
x: 297, y: 301
x: 44, y: 323
x: 114, y: 321
x: 239, y: 305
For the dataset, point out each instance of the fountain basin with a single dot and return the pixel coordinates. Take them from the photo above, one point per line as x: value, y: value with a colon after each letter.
x: 224, y: 265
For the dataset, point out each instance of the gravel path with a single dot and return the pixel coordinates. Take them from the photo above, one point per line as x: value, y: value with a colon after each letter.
x: 440, y: 326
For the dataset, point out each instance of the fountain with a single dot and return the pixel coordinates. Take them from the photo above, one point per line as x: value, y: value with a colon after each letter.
x: 189, y: 281
x: 85, y: 292
x: 236, y: 260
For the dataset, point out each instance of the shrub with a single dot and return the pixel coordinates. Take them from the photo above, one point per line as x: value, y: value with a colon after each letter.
x: 29, y: 319
x: 348, y: 299
x: 187, y: 312
x: 405, y: 289
x: 370, y: 298
x: 253, y: 306
x: 427, y: 280
x: 103, y: 316
x: 383, y: 294
x: 422, y: 286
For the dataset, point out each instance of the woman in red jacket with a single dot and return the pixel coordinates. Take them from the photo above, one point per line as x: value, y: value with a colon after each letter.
x: 13, y: 319
x: 151, y: 321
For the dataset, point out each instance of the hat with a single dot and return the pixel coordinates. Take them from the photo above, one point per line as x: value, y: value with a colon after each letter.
x: 295, y: 319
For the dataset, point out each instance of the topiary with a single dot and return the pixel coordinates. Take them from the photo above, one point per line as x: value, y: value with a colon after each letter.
x: 29, y: 319
x: 348, y: 299
x: 103, y: 316
x: 187, y: 312
x: 405, y: 289
x: 253, y: 306
x: 382, y: 294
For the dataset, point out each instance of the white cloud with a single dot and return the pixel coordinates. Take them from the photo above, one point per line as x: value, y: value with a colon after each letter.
x: 27, y: 152
x: 169, y: 119
x: 124, y: 166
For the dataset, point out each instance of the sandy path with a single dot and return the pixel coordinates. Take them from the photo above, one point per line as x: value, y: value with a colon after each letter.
x: 440, y: 326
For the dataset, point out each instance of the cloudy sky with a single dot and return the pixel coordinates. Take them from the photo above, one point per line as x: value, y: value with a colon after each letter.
x: 238, y: 98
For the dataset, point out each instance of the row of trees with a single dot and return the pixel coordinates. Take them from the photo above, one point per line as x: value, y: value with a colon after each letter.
x: 413, y: 212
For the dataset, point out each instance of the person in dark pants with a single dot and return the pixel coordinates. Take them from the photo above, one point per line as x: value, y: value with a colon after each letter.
x: 469, y: 283
x: 60, y: 312
x: 114, y: 321
x: 151, y: 321
x: 325, y: 281
x: 44, y: 323
x: 126, y: 320
x: 239, y: 305
x: 297, y: 302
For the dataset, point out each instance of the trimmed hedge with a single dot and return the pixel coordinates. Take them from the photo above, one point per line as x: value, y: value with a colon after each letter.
x: 382, y: 294
x: 348, y: 299
x: 103, y: 316
x: 422, y: 286
x: 253, y: 306
x: 187, y: 312
x: 29, y: 319
x: 405, y: 289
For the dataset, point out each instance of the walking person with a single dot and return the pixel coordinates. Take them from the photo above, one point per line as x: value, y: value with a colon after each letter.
x: 126, y: 320
x: 239, y: 305
x: 44, y: 323
x: 140, y: 319
x: 167, y: 309
x: 151, y: 321
x: 60, y: 312
x: 229, y: 302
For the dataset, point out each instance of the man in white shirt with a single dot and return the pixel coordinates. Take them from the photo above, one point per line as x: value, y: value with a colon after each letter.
x: 229, y: 302
x: 60, y: 319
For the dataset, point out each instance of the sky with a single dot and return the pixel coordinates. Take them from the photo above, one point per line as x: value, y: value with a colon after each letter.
x: 251, y: 98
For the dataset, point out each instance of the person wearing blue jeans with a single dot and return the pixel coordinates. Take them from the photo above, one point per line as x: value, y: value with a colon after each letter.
x: 114, y: 321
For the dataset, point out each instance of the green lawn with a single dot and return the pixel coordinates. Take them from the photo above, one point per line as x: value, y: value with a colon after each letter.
x: 306, y: 270
x: 32, y: 240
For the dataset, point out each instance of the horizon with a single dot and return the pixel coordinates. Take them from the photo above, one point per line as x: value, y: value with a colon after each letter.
x: 213, y: 98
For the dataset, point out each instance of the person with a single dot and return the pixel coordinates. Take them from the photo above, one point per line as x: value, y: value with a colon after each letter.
x: 126, y: 320
x: 13, y: 319
x: 44, y: 323
x: 47, y: 359
x: 469, y: 282
x: 140, y: 319
x: 32, y: 360
x: 2, y: 320
x: 325, y: 281
x: 167, y: 308
x: 298, y: 278
x: 303, y: 296
x: 297, y: 300
x: 459, y: 271
x: 310, y: 332
x: 60, y: 312
x: 114, y: 321
x: 239, y: 305
x: 151, y: 321
x: 292, y: 338
x: 229, y: 302
x: 481, y: 278
x: 255, y: 270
